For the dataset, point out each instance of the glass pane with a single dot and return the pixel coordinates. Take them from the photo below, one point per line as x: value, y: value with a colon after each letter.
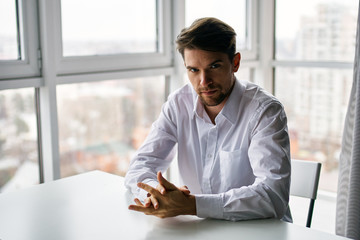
x: 316, y: 102
x: 108, y: 27
x: 233, y: 12
x: 101, y: 124
x: 8, y: 32
x: 316, y: 30
x: 19, y: 165
x: 244, y: 73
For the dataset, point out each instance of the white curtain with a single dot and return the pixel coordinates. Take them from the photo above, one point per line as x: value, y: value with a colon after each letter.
x: 348, y: 200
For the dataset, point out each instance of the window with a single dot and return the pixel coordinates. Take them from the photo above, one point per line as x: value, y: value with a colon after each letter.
x: 106, y: 27
x: 9, y: 45
x: 315, y: 101
x: 315, y: 44
x: 111, y: 35
x: 140, y: 50
x: 19, y: 165
x: 238, y: 14
x: 233, y: 12
x: 316, y: 30
x: 18, y: 39
x: 101, y: 124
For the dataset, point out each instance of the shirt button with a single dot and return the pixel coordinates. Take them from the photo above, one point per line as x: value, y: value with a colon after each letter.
x: 210, y: 155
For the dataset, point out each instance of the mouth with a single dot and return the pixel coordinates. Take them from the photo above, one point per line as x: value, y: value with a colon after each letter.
x: 208, y: 92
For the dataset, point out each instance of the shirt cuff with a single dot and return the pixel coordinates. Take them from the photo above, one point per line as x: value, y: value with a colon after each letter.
x: 209, y: 206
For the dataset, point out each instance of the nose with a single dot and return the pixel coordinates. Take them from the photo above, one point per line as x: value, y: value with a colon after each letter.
x: 205, y: 78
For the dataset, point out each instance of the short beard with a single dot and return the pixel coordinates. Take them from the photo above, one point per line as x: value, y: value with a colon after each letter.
x: 219, y: 99
x: 214, y: 102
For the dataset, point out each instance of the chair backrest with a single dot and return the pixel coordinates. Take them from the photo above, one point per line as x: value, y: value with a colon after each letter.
x: 304, y: 182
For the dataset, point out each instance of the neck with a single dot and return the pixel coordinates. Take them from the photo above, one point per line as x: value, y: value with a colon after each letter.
x: 213, y: 111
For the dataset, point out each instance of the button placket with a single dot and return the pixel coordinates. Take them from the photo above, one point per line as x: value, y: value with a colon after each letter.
x: 209, y: 161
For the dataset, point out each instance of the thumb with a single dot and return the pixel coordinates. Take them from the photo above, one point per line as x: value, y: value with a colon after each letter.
x: 165, y: 183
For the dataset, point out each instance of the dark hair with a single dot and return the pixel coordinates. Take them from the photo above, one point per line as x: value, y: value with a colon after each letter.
x: 209, y: 34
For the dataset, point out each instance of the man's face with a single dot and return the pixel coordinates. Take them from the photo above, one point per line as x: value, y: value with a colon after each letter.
x: 211, y: 74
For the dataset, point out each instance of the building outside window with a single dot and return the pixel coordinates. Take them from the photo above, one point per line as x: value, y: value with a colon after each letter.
x: 311, y: 80
x: 102, y: 124
x: 19, y: 165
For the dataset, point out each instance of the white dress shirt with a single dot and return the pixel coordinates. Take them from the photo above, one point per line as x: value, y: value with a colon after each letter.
x: 237, y: 168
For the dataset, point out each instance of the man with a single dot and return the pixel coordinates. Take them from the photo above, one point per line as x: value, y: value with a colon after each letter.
x: 231, y: 136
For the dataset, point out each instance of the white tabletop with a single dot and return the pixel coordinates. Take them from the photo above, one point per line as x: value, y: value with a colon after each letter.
x: 94, y: 205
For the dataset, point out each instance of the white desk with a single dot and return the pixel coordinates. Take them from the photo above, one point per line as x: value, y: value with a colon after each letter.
x: 94, y: 205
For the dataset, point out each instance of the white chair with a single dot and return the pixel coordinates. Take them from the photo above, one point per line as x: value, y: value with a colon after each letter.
x: 304, y: 182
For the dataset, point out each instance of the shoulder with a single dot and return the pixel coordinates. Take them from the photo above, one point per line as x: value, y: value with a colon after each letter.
x: 185, y: 96
x: 184, y: 91
x: 258, y: 98
x: 180, y: 103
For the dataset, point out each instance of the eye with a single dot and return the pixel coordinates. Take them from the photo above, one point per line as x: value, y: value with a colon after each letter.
x: 193, y: 70
x: 216, y: 65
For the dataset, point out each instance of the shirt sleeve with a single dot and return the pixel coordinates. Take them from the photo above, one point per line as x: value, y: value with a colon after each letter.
x: 269, y: 156
x: 155, y: 154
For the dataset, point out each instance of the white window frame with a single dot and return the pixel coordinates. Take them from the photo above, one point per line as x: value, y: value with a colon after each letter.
x: 29, y: 66
x: 116, y: 62
x: 251, y: 53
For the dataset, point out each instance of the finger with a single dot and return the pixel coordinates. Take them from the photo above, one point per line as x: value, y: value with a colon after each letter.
x: 141, y: 209
x: 161, y: 189
x: 137, y: 201
x: 185, y: 190
x: 154, y: 202
x: 165, y: 183
x: 148, y: 188
x: 147, y: 202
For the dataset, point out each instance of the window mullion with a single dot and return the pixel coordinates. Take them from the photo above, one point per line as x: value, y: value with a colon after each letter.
x: 48, y: 105
x: 264, y: 73
x: 313, y: 64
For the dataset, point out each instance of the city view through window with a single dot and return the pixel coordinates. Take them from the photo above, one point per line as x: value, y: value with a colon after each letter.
x: 19, y: 165
x: 316, y: 99
x: 102, y: 124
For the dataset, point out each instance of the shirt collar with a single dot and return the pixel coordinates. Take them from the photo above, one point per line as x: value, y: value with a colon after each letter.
x: 199, y: 109
x: 231, y: 106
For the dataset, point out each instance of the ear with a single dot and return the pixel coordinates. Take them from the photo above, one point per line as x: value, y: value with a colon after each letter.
x: 236, y: 62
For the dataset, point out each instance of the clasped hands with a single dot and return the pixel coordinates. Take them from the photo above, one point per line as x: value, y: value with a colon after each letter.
x: 166, y: 200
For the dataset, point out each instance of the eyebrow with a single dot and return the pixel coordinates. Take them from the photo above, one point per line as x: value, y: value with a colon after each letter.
x: 216, y: 61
